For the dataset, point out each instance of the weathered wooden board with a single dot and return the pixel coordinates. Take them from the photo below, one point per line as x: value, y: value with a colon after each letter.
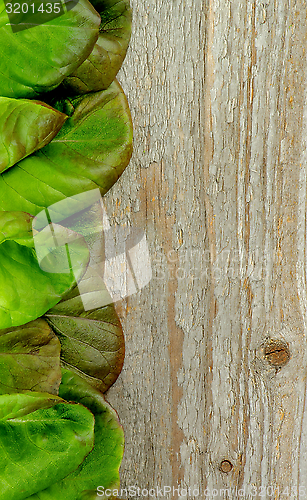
x: 218, y: 181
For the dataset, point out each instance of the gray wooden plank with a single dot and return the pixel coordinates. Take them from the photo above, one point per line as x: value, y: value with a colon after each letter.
x: 218, y: 182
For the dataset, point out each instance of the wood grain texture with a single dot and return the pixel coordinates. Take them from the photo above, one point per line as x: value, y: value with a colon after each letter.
x: 218, y: 181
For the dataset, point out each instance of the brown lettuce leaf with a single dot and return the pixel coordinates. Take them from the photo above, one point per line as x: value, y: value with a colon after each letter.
x: 29, y: 359
x: 92, y: 342
x: 98, y: 71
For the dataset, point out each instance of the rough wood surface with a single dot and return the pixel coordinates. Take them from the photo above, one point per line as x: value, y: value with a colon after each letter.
x: 218, y: 181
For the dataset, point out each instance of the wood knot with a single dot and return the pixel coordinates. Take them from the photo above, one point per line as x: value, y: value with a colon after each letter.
x: 226, y: 466
x: 277, y: 353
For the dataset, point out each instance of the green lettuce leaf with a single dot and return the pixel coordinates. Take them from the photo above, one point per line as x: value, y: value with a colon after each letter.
x: 42, y: 440
x: 36, y: 60
x: 92, y: 342
x: 25, y: 126
x: 101, y: 466
x: 91, y: 336
x: 91, y: 150
x: 26, y: 290
x: 101, y: 67
x: 16, y: 226
x: 29, y: 359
